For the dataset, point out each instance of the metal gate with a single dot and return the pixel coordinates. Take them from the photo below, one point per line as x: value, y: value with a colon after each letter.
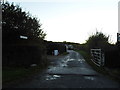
x: 97, y: 57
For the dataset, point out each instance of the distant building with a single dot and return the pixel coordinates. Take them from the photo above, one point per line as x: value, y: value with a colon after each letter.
x: 70, y: 47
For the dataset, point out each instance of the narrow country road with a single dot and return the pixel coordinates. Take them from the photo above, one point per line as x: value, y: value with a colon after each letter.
x: 70, y: 71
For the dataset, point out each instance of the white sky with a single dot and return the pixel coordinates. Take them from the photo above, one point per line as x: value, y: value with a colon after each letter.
x: 74, y: 20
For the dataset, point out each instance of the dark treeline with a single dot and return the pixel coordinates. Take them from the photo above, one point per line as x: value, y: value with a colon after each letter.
x: 100, y: 41
x: 16, y: 51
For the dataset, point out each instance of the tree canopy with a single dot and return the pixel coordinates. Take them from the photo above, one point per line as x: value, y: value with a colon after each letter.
x: 97, y: 40
x: 15, y: 50
x: 16, y: 22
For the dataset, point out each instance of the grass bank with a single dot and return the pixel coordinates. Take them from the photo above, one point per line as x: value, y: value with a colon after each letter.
x: 112, y: 73
x: 65, y: 53
x: 13, y: 74
x: 10, y: 74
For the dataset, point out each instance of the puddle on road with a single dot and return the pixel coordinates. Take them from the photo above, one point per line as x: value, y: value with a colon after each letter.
x: 64, y: 62
x: 70, y: 60
x: 52, y: 77
x: 63, y: 65
x: 51, y: 68
x: 81, y: 60
x: 89, y: 78
x: 67, y: 60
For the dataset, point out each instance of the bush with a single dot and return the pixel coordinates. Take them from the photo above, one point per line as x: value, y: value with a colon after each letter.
x: 16, y: 51
x: 100, y: 41
x: 23, y: 54
x: 112, y: 57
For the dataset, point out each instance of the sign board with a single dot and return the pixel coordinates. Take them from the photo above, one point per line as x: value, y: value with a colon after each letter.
x: 118, y: 37
x: 23, y: 37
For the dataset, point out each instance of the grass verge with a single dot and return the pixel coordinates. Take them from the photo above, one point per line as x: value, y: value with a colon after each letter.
x: 112, y: 73
x: 10, y: 74
x: 65, y: 53
x: 13, y: 74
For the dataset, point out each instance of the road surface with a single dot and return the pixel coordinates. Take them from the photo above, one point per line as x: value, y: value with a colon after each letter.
x: 70, y: 71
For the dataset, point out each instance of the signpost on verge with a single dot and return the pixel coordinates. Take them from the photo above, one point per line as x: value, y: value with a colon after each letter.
x: 23, y: 37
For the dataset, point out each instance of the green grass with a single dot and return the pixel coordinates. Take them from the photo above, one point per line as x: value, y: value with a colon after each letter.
x: 10, y: 74
x: 65, y: 53
x: 102, y: 70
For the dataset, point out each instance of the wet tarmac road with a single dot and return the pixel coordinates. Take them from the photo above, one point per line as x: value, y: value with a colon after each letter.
x: 70, y: 71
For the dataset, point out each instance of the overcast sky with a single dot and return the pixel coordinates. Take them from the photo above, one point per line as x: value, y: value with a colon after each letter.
x: 74, y: 20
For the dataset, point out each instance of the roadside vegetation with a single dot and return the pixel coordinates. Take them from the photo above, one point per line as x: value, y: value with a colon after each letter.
x: 111, y: 51
x: 87, y: 57
x: 18, y: 54
x: 65, y: 53
x: 21, y: 52
x: 19, y: 73
x: 113, y: 73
